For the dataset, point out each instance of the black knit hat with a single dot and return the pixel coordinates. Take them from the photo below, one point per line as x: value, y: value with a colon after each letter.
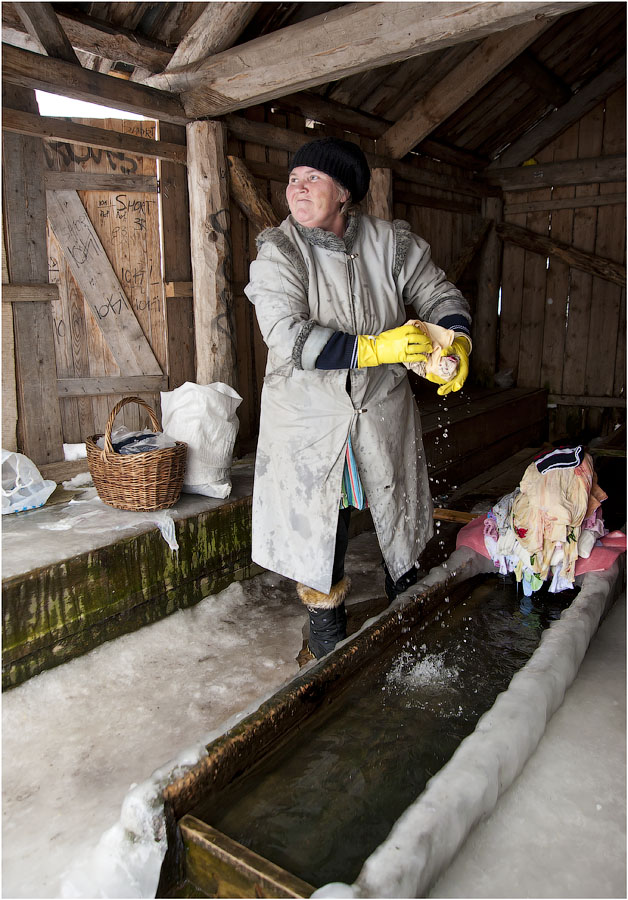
x: 340, y: 159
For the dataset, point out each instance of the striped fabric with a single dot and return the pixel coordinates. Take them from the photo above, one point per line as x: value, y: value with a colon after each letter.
x: 352, y: 492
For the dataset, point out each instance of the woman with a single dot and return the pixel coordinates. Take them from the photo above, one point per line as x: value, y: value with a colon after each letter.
x: 339, y: 424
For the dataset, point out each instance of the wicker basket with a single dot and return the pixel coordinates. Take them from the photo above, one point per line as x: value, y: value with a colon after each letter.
x: 139, y: 481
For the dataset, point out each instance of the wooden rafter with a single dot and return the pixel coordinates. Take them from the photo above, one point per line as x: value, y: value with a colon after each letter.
x: 95, y: 37
x: 33, y: 70
x: 541, y: 79
x: 350, y: 39
x: 554, y: 124
x: 41, y: 22
x: 490, y: 57
x: 216, y: 29
x: 284, y: 139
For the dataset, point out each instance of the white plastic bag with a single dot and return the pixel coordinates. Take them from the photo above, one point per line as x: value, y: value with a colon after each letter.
x: 204, y: 416
x: 22, y: 484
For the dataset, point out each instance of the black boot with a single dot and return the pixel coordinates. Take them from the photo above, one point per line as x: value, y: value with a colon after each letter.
x: 394, y: 588
x: 327, y: 628
x: 327, y: 614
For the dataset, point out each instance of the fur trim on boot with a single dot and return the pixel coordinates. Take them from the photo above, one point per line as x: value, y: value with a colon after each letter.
x: 318, y: 600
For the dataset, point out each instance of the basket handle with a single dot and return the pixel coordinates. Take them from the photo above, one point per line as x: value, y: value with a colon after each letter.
x: 108, y: 448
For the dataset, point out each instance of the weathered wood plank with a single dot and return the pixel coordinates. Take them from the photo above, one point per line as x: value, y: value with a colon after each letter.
x: 610, y: 241
x: 533, y: 307
x: 32, y: 70
x: 459, y: 85
x: 97, y: 37
x: 379, y: 197
x: 94, y: 181
x: 580, y: 171
x: 9, y: 387
x: 211, y: 253
x: 243, y: 316
x: 485, y: 318
x: 102, y: 289
x: 553, y: 125
x: 586, y: 400
x: 541, y: 79
x: 42, y: 24
x: 557, y: 280
x: 474, y: 242
x: 24, y: 293
x: 217, y: 28
x: 513, y: 263
x: 255, y: 152
x: 566, y: 202
x: 39, y: 418
x: 215, y: 862
x: 255, y: 207
x: 605, y: 268
x: 580, y: 294
x: 177, y: 264
x: 353, y: 38
x: 89, y: 136
x: 111, y: 384
x: 285, y: 139
x: 179, y: 289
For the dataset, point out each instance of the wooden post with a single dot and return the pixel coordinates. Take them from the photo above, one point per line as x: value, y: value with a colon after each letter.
x: 175, y: 211
x: 379, y: 200
x: 210, y: 225
x: 485, y: 320
x: 40, y: 434
x: 9, y: 388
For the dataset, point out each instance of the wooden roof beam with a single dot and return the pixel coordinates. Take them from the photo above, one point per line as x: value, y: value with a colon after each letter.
x: 93, y: 36
x: 331, y: 112
x: 553, y: 125
x: 216, y: 29
x: 33, y: 70
x: 487, y: 60
x: 41, y: 22
x: 353, y: 38
x: 541, y: 79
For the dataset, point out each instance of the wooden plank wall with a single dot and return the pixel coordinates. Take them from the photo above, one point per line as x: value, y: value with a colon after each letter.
x: 127, y: 224
x: 447, y: 232
x: 560, y: 328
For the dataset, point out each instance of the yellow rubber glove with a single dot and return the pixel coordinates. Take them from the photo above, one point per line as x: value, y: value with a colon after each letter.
x: 405, y: 344
x: 460, y: 348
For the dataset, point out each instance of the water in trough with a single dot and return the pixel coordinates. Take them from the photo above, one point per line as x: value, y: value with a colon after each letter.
x: 323, y: 802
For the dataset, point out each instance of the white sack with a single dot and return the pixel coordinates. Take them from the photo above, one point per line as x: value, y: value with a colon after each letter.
x: 204, y: 416
x: 22, y: 484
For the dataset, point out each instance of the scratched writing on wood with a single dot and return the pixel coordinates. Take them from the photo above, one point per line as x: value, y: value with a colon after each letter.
x: 125, y: 224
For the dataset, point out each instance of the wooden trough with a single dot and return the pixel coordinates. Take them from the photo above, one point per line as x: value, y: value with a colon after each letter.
x: 202, y: 861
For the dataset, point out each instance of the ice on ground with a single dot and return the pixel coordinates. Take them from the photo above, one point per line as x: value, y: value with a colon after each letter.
x: 88, y: 745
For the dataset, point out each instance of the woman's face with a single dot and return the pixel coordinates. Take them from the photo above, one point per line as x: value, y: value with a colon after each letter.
x: 314, y: 199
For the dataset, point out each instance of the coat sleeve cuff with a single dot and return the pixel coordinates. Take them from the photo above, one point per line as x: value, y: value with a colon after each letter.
x: 309, y: 343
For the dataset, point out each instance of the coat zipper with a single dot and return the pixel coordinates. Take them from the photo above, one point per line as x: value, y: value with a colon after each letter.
x: 350, y: 257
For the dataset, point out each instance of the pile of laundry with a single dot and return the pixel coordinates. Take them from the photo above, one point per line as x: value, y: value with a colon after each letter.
x: 549, y: 524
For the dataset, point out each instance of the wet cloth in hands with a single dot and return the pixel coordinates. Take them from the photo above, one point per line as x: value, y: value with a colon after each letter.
x: 436, y: 363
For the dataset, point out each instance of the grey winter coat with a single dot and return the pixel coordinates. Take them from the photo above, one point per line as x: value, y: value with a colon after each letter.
x: 307, y: 284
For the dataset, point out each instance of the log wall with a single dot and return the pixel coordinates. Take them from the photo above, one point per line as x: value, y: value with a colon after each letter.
x: 561, y: 328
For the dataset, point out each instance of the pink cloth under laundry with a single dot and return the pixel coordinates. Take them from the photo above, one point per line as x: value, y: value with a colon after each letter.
x: 602, y: 557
